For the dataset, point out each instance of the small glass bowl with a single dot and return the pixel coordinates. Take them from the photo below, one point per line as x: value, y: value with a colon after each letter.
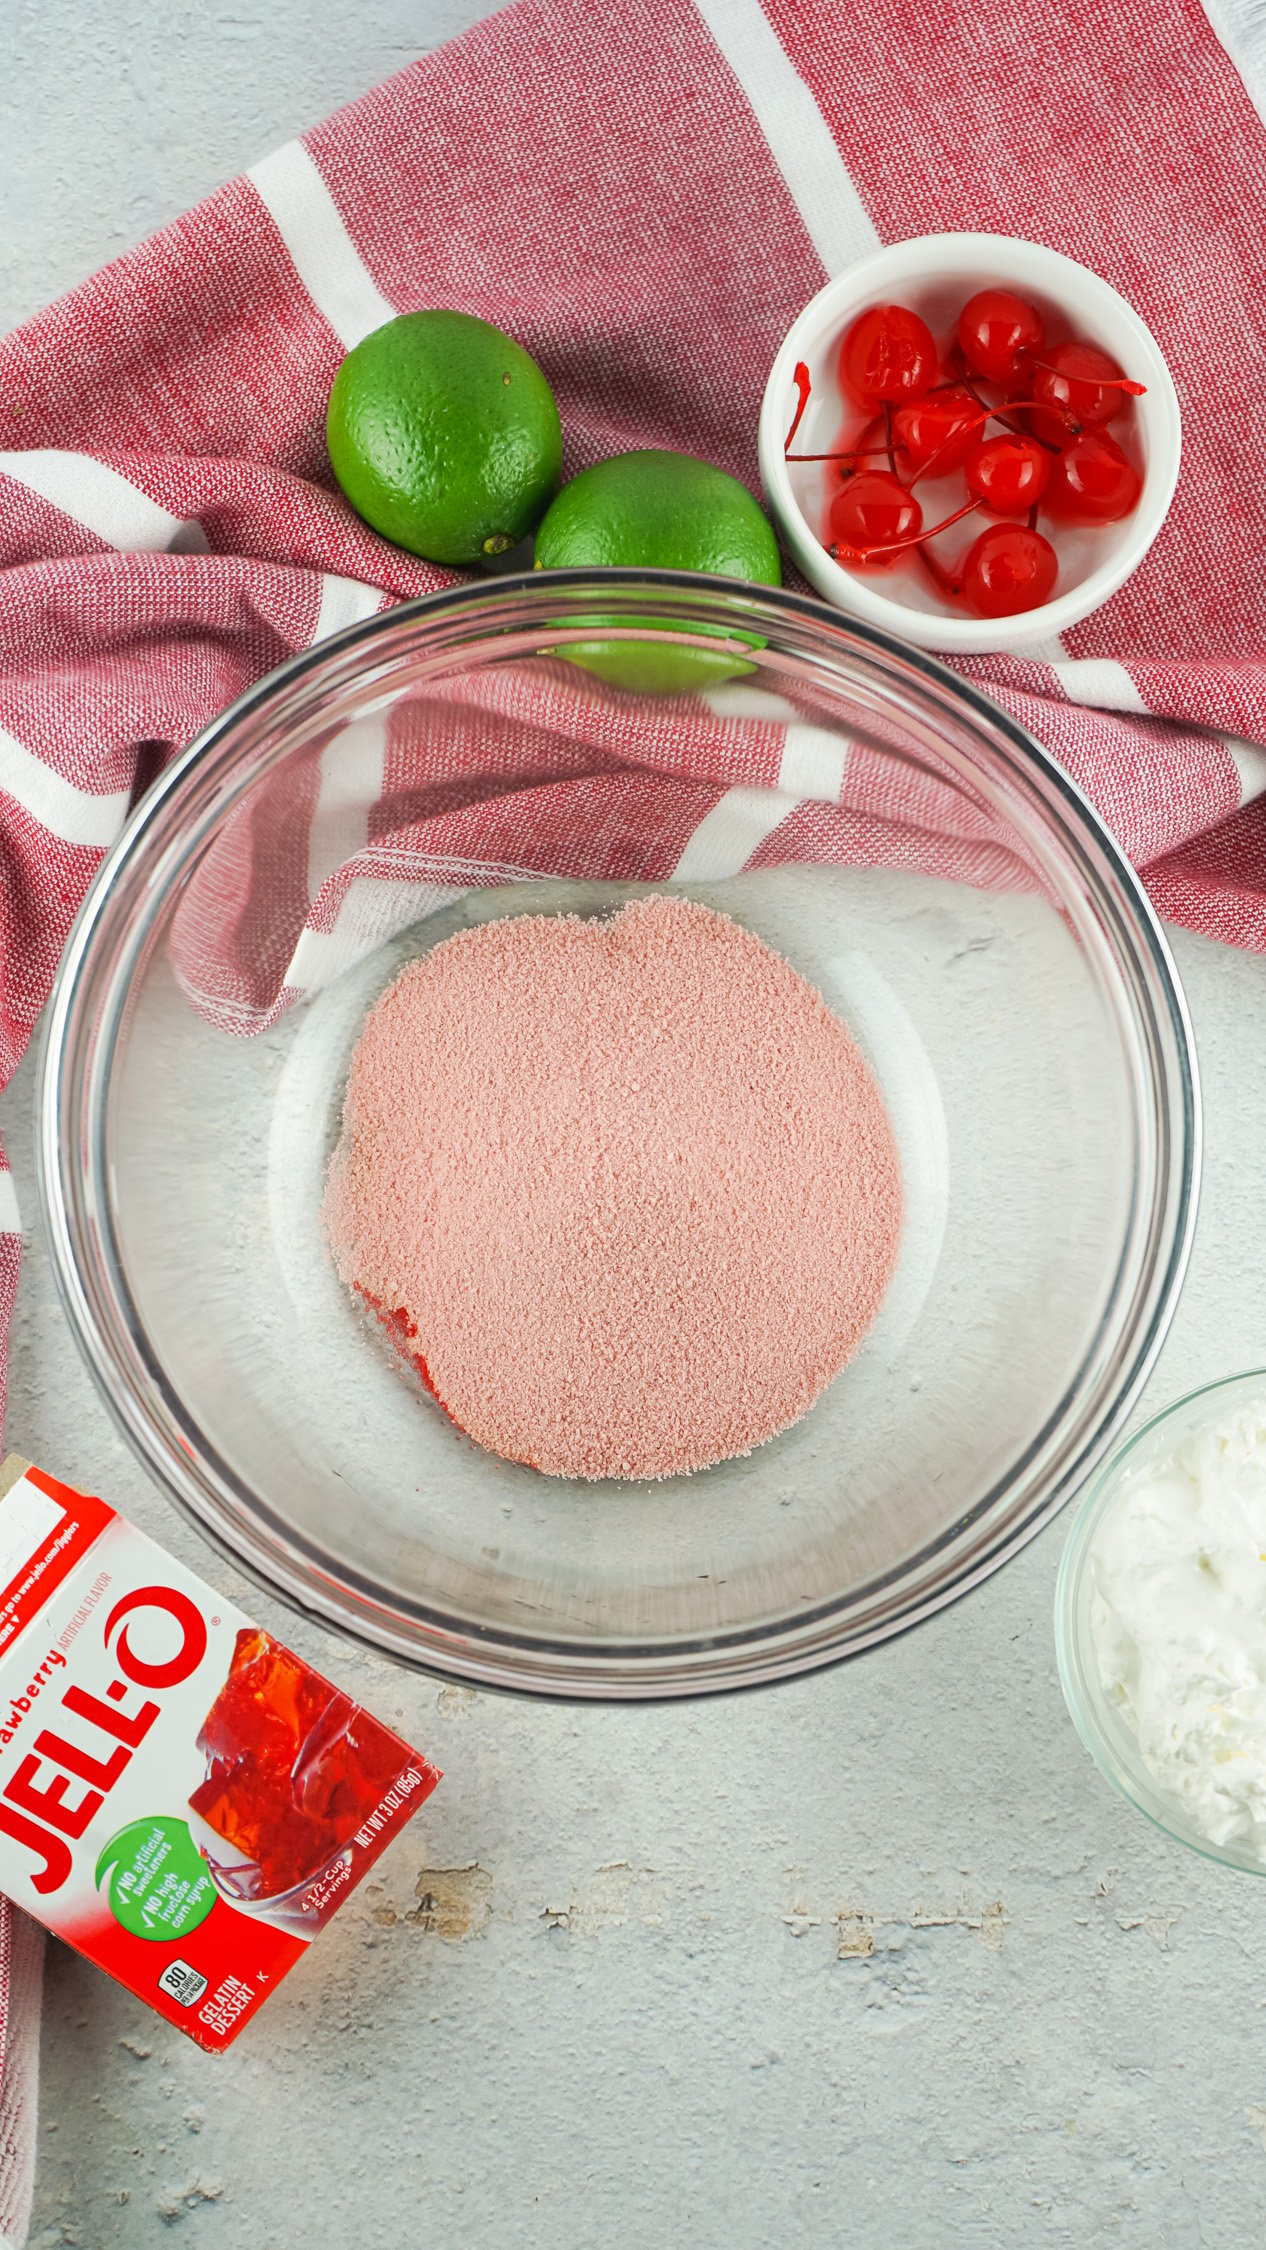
x: 1102, y: 1726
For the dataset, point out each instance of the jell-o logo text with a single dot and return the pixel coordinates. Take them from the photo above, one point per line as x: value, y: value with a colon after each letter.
x: 65, y: 1778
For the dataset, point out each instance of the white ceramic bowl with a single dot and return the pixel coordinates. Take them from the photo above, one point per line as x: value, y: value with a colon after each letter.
x: 934, y: 274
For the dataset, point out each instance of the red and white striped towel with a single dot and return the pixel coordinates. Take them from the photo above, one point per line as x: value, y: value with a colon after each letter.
x: 645, y: 197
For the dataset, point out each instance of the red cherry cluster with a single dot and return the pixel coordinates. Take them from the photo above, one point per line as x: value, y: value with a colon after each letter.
x: 928, y: 416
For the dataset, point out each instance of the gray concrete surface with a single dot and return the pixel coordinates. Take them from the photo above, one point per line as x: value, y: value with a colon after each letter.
x: 116, y: 115
x: 873, y: 1959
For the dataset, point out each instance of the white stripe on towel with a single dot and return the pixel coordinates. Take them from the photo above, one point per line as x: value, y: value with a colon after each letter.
x: 76, y: 816
x: 105, y: 503
x: 322, y: 251
x: 726, y: 837
x: 800, y: 140
x: 10, y: 1216
x: 344, y: 601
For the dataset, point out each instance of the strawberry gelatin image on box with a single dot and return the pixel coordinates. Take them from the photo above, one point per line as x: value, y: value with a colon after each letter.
x: 181, y: 1797
x: 295, y: 1769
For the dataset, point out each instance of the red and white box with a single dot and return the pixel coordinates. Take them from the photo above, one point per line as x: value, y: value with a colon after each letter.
x: 181, y: 1798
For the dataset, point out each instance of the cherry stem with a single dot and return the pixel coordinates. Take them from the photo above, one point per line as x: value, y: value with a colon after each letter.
x: 1018, y: 427
x: 875, y: 453
x: 955, y: 438
x: 1105, y: 382
x: 940, y: 577
x: 892, y: 458
x: 1044, y: 406
x: 896, y: 546
x: 1033, y: 517
x: 800, y: 377
x: 990, y: 414
x: 862, y: 452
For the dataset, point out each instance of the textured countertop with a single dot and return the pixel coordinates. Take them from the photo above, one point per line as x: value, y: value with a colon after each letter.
x: 873, y: 1958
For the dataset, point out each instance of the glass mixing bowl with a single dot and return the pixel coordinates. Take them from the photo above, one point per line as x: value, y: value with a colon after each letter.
x: 907, y: 847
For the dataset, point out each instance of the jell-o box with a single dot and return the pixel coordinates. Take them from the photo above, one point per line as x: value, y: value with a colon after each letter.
x: 181, y: 1798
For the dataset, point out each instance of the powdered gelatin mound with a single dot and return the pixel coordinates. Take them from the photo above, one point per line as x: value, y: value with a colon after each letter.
x: 627, y: 1186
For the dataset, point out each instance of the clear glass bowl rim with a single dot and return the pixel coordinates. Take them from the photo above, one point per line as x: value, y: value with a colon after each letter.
x: 1106, y: 1735
x: 71, y: 1158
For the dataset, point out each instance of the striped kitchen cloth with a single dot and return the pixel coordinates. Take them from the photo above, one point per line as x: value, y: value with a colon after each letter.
x: 645, y: 197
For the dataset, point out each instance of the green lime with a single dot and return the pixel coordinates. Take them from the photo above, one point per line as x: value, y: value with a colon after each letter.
x: 445, y: 436
x: 657, y: 511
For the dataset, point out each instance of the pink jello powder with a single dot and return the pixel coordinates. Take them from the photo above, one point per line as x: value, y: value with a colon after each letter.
x: 627, y: 1186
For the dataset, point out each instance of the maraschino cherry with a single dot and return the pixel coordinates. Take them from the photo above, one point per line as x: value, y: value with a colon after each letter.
x: 1007, y: 570
x: 887, y: 356
x: 874, y: 517
x: 935, y: 432
x: 1082, y: 383
x: 994, y: 328
x: 1092, y: 481
x: 1008, y: 474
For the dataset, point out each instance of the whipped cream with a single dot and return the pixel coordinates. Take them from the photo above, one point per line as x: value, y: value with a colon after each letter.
x: 1178, y: 1617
